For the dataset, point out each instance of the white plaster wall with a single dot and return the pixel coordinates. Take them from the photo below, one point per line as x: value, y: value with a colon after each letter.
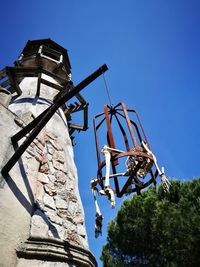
x: 15, y: 217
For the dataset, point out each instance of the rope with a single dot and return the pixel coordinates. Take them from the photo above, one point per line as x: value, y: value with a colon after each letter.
x: 107, y: 90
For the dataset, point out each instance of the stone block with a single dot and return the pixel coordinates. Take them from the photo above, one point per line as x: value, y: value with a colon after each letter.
x: 71, y: 228
x: 78, y: 219
x: 81, y: 230
x: 50, y: 189
x: 64, y: 214
x: 43, y: 178
x: 83, y: 242
x: 72, y: 238
x: 72, y: 197
x: 52, y: 177
x: 40, y: 194
x: 73, y: 208
x: 44, y: 168
x: 49, y: 157
x: 59, y: 166
x: 51, y: 168
x: 50, y: 148
x: 57, y: 156
x: 49, y: 202
x: 39, y: 227
x: 61, y: 203
x: 52, y: 215
x: 60, y: 177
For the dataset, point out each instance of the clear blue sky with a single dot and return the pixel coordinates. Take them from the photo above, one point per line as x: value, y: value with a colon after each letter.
x: 152, y: 50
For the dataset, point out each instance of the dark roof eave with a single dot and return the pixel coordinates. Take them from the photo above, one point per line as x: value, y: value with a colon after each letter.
x: 48, y: 41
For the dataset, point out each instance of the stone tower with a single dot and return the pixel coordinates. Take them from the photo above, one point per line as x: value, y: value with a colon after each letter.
x: 42, y: 219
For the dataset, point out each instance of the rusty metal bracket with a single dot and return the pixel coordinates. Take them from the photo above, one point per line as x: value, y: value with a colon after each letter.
x: 34, y: 127
x: 10, y: 77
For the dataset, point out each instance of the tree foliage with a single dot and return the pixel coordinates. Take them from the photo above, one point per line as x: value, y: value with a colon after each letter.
x: 157, y: 229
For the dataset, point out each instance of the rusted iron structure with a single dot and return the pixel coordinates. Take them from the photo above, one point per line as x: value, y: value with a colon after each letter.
x: 35, y: 126
x: 37, y: 54
x: 140, y: 170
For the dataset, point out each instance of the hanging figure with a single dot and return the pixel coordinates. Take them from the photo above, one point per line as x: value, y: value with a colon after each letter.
x: 99, y: 217
x: 141, y: 168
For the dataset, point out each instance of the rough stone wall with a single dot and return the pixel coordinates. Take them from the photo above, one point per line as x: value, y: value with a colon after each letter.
x: 59, y: 212
x: 44, y: 202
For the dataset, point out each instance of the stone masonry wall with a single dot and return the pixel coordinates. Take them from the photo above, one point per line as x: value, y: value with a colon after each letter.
x: 56, y: 193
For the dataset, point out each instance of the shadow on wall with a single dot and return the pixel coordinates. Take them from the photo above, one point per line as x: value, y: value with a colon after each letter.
x: 30, y: 205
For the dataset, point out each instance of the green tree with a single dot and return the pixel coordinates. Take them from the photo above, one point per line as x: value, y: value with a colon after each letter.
x: 157, y: 229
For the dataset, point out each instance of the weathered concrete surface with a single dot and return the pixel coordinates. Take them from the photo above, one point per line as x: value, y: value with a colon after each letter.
x: 41, y: 194
x: 15, y: 198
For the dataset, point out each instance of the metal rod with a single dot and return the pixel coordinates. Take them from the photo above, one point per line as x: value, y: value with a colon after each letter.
x: 135, y: 125
x: 129, y: 181
x: 97, y: 146
x: 123, y: 133
x: 49, y: 113
x: 129, y: 126
x: 111, y: 142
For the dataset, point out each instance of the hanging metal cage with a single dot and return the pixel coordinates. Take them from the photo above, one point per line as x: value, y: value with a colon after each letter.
x: 139, y: 162
x: 133, y: 165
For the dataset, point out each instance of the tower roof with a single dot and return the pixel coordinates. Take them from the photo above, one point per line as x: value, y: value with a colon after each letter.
x: 35, y: 44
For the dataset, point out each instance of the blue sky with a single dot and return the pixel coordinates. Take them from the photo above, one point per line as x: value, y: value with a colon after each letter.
x: 152, y: 50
